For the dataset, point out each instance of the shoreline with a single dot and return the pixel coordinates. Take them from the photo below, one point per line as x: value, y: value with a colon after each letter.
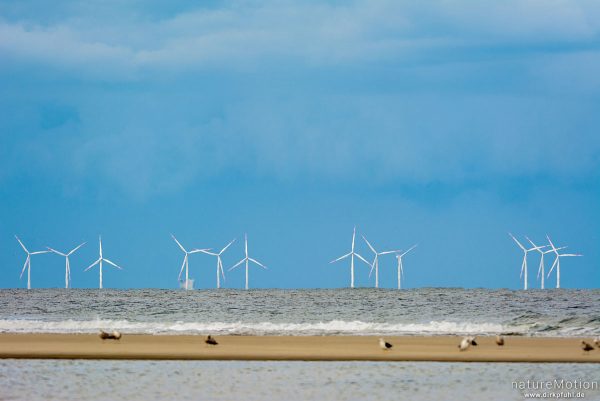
x: 289, y: 348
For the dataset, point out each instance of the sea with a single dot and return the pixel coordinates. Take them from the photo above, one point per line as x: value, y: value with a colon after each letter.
x: 362, y: 311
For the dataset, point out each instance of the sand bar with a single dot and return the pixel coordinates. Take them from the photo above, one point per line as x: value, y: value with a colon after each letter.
x: 305, y: 348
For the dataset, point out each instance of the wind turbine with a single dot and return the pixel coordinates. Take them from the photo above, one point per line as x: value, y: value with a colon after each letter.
x: 375, y: 264
x: 247, y: 259
x: 557, y: 261
x: 220, y: 263
x: 27, y: 264
x: 400, y: 268
x: 67, y: 265
x: 100, y: 260
x: 186, y: 261
x: 541, y: 269
x: 524, y: 264
x: 352, y: 254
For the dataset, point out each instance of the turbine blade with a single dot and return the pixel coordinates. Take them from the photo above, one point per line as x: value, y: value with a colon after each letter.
x: 553, y: 266
x: 257, y: 262
x: 341, y: 257
x: 569, y: 254
x: 227, y: 246
x: 369, y: 244
x: 550, y: 241
x: 182, y: 267
x: 39, y: 252
x: 388, y: 252
x: 410, y: 249
x: 75, y: 250
x: 221, y: 267
x: 92, y: 265
x: 237, y: 264
x: 55, y: 251
x: 180, y: 246
x: 114, y: 264
x: 22, y: 246
x: 361, y: 258
x: 200, y: 250
x: 522, y: 268
x: 531, y: 242
x: 518, y: 243
x: 24, y: 266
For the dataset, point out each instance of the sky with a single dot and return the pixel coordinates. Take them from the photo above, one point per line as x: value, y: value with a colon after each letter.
x: 442, y: 123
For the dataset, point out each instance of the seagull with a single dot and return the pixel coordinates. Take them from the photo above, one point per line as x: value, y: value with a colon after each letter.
x: 115, y: 335
x: 499, y: 340
x: 586, y: 346
x: 210, y: 340
x: 471, y: 340
x: 597, y: 341
x: 384, y: 345
x: 464, y: 344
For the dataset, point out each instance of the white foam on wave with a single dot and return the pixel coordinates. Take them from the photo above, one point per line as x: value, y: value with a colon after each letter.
x: 258, y: 328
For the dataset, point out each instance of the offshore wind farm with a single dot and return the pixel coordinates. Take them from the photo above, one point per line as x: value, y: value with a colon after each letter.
x: 187, y: 283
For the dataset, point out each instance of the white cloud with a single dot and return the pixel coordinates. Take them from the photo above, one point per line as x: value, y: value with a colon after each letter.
x: 243, y: 34
x: 383, y: 91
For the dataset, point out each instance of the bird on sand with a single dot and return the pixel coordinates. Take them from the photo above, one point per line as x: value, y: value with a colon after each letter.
x: 471, y: 340
x: 499, y: 340
x: 464, y: 344
x: 210, y: 340
x: 597, y: 341
x: 384, y: 344
x: 586, y: 346
x: 115, y: 335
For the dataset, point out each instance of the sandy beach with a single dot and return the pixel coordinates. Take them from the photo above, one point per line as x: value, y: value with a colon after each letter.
x: 307, y: 348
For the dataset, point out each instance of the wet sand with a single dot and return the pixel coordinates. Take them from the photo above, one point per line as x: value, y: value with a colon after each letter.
x: 305, y: 348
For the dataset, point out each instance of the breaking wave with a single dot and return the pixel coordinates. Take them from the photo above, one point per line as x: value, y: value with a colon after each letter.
x: 335, y: 327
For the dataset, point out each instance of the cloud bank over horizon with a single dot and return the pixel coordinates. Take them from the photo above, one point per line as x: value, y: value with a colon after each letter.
x: 151, y: 100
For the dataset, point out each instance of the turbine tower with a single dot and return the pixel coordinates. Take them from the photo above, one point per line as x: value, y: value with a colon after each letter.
x: 220, y: 263
x: 352, y: 254
x: 67, y: 265
x: 557, y: 261
x: 247, y: 259
x: 400, y: 268
x: 100, y: 260
x: 541, y: 270
x: 524, y: 264
x: 27, y: 264
x: 185, y: 263
x: 375, y: 264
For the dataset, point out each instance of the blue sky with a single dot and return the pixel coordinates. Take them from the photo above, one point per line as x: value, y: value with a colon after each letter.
x: 446, y: 124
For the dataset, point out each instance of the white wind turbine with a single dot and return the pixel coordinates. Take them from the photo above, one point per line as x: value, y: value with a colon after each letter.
x: 100, y: 260
x: 185, y: 263
x: 557, y: 261
x: 352, y: 254
x: 524, y: 264
x: 375, y: 264
x: 400, y: 268
x: 27, y: 264
x: 541, y: 270
x: 247, y: 259
x: 67, y: 264
x: 220, y: 263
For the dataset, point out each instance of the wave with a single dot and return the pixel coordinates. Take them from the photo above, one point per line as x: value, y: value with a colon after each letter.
x: 334, y: 327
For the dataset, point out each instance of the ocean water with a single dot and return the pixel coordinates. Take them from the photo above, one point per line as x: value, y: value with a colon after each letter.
x: 427, y: 311
x: 290, y: 381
